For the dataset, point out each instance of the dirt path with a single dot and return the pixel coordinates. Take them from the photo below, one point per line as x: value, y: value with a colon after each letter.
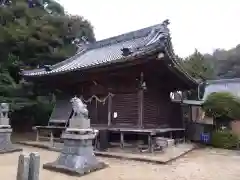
x: 200, y: 165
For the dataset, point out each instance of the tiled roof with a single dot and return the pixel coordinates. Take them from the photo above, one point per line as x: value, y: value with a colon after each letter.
x: 109, y: 50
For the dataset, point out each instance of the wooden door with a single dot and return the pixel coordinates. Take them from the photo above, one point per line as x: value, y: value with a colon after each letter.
x: 125, y: 109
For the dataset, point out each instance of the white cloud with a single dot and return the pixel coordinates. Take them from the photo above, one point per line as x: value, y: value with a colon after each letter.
x: 202, y: 24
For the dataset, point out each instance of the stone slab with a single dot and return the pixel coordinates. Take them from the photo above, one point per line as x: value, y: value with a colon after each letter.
x: 88, y: 130
x: 5, y: 126
x: 5, y: 130
x: 78, y: 136
x: 69, y: 167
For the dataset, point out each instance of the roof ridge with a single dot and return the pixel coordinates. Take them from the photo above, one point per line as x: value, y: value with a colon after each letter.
x: 144, y: 32
x: 128, y: 36
x: 227, y: 80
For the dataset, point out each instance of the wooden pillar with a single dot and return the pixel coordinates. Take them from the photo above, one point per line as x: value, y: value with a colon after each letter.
x: 37, y: 135
x: 140, y: 101
x: 110, y: 110
x: 121, y: 140
x: 140, y: 108
x: 51, y: 138
x: 183, y: 123
x: 190, y: 119
x: 150, y: 143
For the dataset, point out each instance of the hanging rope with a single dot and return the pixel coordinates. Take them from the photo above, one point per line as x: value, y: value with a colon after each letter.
x: 103, y: 100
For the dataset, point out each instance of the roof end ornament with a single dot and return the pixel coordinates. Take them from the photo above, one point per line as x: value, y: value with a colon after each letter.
x: 126, y: 51
x: 80, y: 42
x: 47, y: 68
x: 166, y: 22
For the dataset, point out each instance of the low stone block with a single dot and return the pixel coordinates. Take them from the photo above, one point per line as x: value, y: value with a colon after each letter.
x: 34, y: 166
x: 23, y: 167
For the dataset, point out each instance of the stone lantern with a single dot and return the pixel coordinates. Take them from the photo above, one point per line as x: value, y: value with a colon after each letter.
x: 6, y: 145
x: 77, y: 156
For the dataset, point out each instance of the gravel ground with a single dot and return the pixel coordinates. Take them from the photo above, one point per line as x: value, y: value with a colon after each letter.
x: 204, y: 164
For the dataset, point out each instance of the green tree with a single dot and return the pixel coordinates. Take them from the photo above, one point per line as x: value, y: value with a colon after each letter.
x: 18, y: 94
x: 222, y: 105
x: 198, y: 67
x: 31, y: 35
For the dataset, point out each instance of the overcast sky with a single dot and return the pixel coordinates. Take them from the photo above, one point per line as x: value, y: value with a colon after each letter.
x: 202, y: 24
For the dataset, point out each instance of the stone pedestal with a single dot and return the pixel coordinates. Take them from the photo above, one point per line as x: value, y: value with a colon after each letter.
x: 4, y: 121
x: 6, y: 145
x: 79, y: 123
x: 77, y: 156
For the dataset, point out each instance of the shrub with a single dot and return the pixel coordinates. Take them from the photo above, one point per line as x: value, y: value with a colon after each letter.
x: 224, y: 139
x: 222, y: 104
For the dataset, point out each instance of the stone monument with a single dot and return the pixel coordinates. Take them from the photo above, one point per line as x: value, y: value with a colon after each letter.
x: 77, y: 156
x: 6, y: 145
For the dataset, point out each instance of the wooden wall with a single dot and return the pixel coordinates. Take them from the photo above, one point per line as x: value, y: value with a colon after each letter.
x: 176, y: 115
x: 159, y: 110
x: 149, y: 108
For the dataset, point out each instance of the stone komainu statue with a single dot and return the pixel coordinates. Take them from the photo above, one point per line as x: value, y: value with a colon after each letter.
x: 4, y: 109
x: 79, y: 108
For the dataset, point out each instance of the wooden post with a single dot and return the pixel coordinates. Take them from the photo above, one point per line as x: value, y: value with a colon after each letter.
x: 109, y: 110
x: 23, y: 167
